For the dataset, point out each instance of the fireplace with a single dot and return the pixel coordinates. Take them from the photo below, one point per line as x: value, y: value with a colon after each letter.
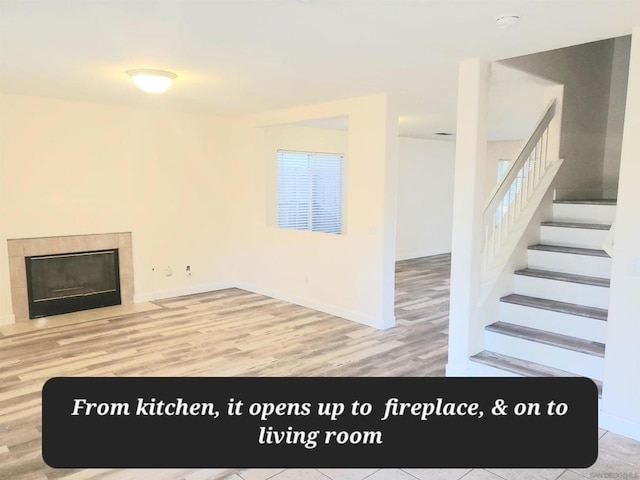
x: 85, y: 251
x: 72, y: 282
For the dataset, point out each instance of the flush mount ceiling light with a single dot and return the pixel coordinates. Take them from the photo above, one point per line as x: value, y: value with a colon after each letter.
x: 506, y: 21
x: 152, y: 81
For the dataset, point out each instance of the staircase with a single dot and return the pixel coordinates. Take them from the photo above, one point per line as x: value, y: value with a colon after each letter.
x: 554, y: 324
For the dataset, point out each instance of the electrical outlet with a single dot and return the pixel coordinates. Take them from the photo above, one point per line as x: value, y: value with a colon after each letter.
x: 168, y: 272
x: 188, y: 270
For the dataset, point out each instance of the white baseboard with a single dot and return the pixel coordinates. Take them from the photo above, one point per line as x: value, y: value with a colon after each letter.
x: 621, y: 426
x: 143, y: 297
x: 358, y: 317
x: 7, y: 319
x: 179, y: 292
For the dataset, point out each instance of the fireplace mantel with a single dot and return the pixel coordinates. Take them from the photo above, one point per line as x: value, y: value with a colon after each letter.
x: 27, y: 247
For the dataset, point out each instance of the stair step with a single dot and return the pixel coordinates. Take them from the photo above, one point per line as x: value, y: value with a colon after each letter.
x: 570, y: 250
x: 577, y: 234
x: 562, y: 307
x: 584, y: 211
x: 562, y: 287
x: 579, y: 261
x: 586, y: 226
x: 548, y: 338
x: 564, y: 277
x: 596, y: 201
x: 523, y: 367
x: 547, y: 315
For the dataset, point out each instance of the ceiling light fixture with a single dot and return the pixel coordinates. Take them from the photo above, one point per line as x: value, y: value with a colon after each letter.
x: 506, y: 21
x: 152, y: 81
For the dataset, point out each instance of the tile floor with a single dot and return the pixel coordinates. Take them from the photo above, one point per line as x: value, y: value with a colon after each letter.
x: 618, y: 458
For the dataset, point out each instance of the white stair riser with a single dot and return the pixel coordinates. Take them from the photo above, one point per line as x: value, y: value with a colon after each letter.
x: 572, y: 237
x: 477, y: 369
x: 569, y: 212
x: 589, y: 295
x: 555, y: 322
x: 574, y: 362
x: 570, y: 263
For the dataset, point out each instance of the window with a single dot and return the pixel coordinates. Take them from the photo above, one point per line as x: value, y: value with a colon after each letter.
x: 510, y: 195
x: 503, y: 165
x: 310, y: 191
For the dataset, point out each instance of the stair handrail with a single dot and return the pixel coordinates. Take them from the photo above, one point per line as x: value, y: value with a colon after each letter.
x: 525, y: 153
x: 518, y: 195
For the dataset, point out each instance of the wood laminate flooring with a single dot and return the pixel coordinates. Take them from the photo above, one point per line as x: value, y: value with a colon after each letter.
x: 422, y: 288
x: 224, y: 333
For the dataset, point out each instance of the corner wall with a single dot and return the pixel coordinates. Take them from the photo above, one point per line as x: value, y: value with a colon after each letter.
x: 193, y: 190
x: 585, y: 71
x: 615, y: 117
x: 465, y: 323
x: 71, y: 168
x: 621, y: 387
x: 349, y: 275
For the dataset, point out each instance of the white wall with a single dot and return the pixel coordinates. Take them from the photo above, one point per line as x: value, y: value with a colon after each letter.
x: 350, y: 275
x: 516, y: 101
x: 585, y: 70
x: 73, y: 168
x: 615, y: 118
x: 621, y: 386
x: 466, y: 331
x: 425, y: 197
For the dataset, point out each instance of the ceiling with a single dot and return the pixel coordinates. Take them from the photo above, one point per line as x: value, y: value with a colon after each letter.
x: 245, y: 56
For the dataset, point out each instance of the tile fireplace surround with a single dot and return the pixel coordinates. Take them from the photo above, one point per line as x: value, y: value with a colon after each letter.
x: 26, y: 247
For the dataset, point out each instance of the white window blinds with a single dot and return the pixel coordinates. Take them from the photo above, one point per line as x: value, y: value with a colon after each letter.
x: 310, y: 191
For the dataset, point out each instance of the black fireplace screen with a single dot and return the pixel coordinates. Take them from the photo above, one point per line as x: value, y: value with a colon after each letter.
x: 71, y: 282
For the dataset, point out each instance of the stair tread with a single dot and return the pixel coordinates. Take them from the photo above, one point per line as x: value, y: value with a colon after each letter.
x: 548, y: 338
x: 587, y: 226
x: 523, y: 367
x: 570, y: 250
x: 564, y: 277
x: 594, y: 201
x: 554, y: 305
